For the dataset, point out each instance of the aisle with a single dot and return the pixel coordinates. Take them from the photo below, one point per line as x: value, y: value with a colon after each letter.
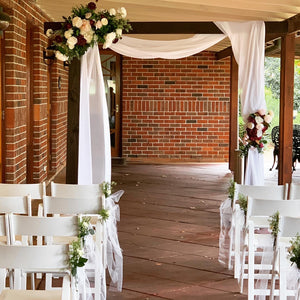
x: 169, y: 232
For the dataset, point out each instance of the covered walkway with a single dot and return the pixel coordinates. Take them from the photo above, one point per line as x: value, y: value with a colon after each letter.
x: 169, y: 232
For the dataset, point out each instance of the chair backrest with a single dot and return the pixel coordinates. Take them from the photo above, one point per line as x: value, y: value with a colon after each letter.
x: 42, y: 226
x: 36, y: 190
x: 17, y: 204
x: 275, y: 136
x: 72, y: 206
x: 266, y: 208
x: 288, y: 227
x: 75, y: 190
x: 4, y: 228
x: 48, y: 258
x: 276, y: 192
x: 294, y: 191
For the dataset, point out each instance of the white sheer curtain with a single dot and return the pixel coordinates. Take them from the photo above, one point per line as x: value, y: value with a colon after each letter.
x: 94, y: 161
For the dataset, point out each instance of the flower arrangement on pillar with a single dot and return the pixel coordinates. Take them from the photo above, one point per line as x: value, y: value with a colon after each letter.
x: 86, y: 27
x: 256, y: 126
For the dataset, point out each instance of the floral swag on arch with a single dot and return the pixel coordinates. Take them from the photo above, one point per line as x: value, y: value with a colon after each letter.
x: 86, y: 27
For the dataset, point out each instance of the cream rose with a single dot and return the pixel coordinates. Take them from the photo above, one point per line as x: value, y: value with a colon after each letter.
x: 122, y: 11
x: 85, y: 27
x: 260, y: 126
x: 250, y: 125
x: 68, y: 33
x: 71, y: 42
x: 89, y: 36
x: 98, y: 24
x: 77, y: 22
x: 61, y: 56
x: 112, y: 12
x: 49, y: 33
x: 258, y: 119
x: 268, y: 119
x: 88, y: 15
x: 118, y: 32
x: 104, y: 21
x: 110, y: 36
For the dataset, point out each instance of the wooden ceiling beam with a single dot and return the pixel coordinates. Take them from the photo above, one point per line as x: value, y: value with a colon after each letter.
x: 181, y: 27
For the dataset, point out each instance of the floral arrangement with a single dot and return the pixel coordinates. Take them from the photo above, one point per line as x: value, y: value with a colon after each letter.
x: 294, y: 251
x: 86, y: 27
x: 274, y: 226
x: 107, y: 188
x: 243, y: 203
x: 77, y: 257
x: 257, y: 124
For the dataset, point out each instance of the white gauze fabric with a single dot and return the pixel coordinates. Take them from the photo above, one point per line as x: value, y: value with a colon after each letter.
x: 140, y: 48
x: 94, y: 159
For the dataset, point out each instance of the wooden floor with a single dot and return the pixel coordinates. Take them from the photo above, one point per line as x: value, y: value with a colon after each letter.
x: 169, y: 231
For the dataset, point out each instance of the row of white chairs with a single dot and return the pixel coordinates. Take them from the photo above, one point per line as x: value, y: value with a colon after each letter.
x: 250, y: 242
x: 65, y: 199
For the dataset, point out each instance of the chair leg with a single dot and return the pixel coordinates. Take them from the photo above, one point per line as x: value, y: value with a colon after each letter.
x: 251, y: 262
x: 242, y: 275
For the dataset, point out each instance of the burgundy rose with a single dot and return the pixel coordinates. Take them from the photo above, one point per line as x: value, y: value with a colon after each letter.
x: 261, y: 145
x: 115, y: 40
x: 251, y: 119
x: 91, y: 6
x: 58, y: 39
x: 81, y: 41
x: 92, y: 22
x: 68, y: 26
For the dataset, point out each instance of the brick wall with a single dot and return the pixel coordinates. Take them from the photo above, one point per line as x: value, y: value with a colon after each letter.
x: 176, y: 110
x: 19, y: 137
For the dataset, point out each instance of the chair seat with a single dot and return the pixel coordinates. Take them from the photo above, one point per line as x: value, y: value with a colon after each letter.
x: 30, y: 295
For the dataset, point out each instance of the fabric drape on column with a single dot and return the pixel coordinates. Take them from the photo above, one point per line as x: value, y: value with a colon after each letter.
x: 94, y: 161
x: 248, y: 45
x: 139, y: 48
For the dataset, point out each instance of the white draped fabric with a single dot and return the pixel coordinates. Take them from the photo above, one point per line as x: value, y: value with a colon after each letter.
x: 248, y: 46
x: 94, y: 161
x: 139, y: 48
x: 254, y: 174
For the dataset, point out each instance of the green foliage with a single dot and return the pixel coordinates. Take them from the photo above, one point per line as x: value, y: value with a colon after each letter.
x: 76, y: 259
x: 274, y: 226
x: 230, y: 190
x: 107, y: 188
x: 294, y: 251
x: 243, y: 203
x: 104, y: 213
x: 84, y: 227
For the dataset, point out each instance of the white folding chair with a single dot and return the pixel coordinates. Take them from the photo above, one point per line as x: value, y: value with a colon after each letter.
x: 278, y: 192
x: 5, y: 240
x: 53, y: 258
x: 90, y: 206
x: 75, y: 190
x: 35, y: 190
x: 289, y: 227
x: 294, y: 191
x: 65, y: 229
x: 258, y: 214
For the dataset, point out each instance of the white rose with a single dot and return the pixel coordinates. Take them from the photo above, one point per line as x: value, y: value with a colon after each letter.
x: 260, y: 126
x: 88, y: 15
x: 77, y: 22
x: 122, y: 11
x: 118, y: 32
x: 112, y: 12
x: 68, y: 33
x: 110, y: 37
x: 107, y: 44
x: 71, y: 46
x: 250, y: 125
x: 259, y: 133
x: 61, y: 56
x: 80, y: 252
x: 98, y: 24
x: 258, y: 119
x: 72, y: 41
x: 268, y: 119
x: 89, y: 36
x: 104, y: 21
x: 49, y: 33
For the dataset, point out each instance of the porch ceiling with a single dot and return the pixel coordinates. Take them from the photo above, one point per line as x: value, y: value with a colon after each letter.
x: 186, y: 10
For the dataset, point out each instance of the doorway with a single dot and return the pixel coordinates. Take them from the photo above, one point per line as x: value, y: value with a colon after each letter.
x: 111, y: 67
